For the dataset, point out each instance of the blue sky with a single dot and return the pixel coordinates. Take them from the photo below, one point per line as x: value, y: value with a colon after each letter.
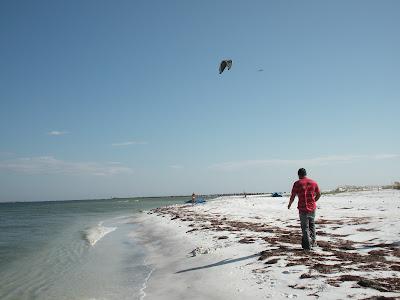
x: 123, y: 98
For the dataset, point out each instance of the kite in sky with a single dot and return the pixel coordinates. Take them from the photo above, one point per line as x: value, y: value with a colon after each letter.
x: 225, y: 64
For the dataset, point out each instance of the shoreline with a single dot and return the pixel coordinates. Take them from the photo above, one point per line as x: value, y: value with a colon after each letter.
x: 142, y: 292
x: 231, y: 248
x: 191, y: 268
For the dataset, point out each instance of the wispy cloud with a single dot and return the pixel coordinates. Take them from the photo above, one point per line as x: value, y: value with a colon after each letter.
x: 176, y: 166
x: 57, y: 132
x: 50, y: 165
x: 324, y: 160
x: 6, y: 154
x: 128, y: 143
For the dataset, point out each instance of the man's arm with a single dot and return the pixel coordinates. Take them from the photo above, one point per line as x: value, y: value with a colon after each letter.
x: 317, y: 193
x: 317, y: 196
x: 292, y: 196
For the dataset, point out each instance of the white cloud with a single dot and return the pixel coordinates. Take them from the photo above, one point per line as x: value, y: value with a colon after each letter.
x: 6, y: 154
x: 325, y: 160
x: 50, y: 165
x: 56, y: 132
x: 176, y: 166
x: 128, y: 143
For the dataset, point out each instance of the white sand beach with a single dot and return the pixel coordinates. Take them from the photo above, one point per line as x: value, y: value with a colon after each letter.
x: 238, y: 248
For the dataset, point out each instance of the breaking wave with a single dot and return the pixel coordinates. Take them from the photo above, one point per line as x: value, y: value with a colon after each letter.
x: 96, y: 233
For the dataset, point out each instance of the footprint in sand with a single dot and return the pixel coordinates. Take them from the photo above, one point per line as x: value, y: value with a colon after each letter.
x: 272, y: 283
x: 290, y: 296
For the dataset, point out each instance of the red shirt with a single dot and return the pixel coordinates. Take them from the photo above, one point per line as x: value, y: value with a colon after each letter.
x: 305, y: 189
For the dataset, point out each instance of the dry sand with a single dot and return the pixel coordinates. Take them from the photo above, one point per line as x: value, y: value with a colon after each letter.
x: 237, y: 248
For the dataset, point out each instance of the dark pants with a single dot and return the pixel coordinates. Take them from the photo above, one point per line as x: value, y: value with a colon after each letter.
x: 307, y: 221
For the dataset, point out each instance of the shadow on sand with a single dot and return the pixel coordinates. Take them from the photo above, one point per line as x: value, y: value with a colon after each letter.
x: 220, y: 263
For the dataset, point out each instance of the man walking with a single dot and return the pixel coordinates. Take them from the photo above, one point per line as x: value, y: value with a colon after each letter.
x: 307, y: 191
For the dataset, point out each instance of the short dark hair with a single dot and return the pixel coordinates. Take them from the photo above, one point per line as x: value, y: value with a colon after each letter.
x: 302, y: 172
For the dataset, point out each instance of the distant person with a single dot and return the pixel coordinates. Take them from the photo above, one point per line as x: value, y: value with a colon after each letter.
x: 307, y: 191
x: 193, y: 198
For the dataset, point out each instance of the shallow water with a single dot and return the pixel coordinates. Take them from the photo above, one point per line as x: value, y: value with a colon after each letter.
x: 73, y: 249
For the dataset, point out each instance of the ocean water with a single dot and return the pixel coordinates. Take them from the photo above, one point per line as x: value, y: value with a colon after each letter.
x: 73, y: 249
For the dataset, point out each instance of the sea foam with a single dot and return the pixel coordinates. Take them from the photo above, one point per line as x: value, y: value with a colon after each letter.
x: 142, y: 293
x: 96, y: 233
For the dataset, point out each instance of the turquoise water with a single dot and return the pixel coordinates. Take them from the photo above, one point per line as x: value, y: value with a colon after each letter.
x: 73, y: 249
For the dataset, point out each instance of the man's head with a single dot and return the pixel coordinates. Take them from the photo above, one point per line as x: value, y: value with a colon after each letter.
x: 302, y: 173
